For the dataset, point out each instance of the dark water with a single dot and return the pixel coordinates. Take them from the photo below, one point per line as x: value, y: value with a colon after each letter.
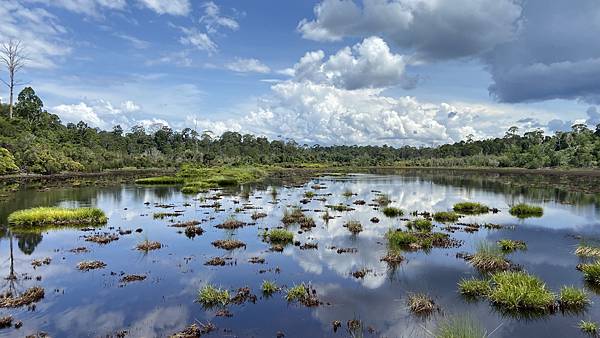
x: 95, y: 303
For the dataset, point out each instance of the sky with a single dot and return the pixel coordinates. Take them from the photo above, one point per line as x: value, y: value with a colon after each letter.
x: 396, y: 72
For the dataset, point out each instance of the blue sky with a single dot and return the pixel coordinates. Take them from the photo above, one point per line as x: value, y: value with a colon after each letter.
x: 327, y: 72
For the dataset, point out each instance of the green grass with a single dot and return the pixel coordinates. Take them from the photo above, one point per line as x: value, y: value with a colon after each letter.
x: 446, y: 216
x: 589, y: 327
x: 354, y: 227
x: 210, y: 296
x: 296, y: 293
x: 339, y: 207
x: 591, y: 273
x: 471, y: 208
x: 309, y: 194
x: 459, y: 327
x: 269, y: 288
x: 195, y: 187
x: 520, y: 291
x: 489, y: 258
x: 523, y: 210
x: 420, y: 224
x: 420, y: 304
x: 160, y: 180
x: 198, y: 179
x: 400, y: 238
x: 383, y: 200
x: 392, y: 212
x: 509, y: 245
x: 279, y: 236
x: 57, y: 216
x: 474, y: 287
x: 588, y: 250
x: 572, y: 298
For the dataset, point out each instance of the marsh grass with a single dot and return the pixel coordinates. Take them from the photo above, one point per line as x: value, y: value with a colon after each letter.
x: 383, y: 200
x: 278, y: 236
x: 57, y: 216
x: 160, y: 180
x: 572, y: 299
x: 269, y: 288
x: 296, y: 293
x: 392, y: 212
x: 309, y: 194
x: 474, y: 287
x: 446, y: 216
x: 347, y: 193
x: 523, y: 210
x: 589, y: 327
x: 420, y: 224
x: 296, y: 216
x: 591, y: 273
x: 471, y: 208
x: 420, y: 304
x: 520, y: 291
x: 489, y: 258
x: 459, y: 327
x: 509, y: 245
x: 588, y: 250
x: 210, y: 296
x: 198, y: 179
x: 355, y: 227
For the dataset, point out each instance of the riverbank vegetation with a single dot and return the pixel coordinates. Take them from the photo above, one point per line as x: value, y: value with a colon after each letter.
x: 57, y: 216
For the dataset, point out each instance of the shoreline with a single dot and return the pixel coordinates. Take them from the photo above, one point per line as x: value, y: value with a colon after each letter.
x: 71, y: 175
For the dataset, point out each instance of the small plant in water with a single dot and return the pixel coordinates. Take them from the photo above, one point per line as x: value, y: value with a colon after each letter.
x: 523, y: 210
x: 210, y: 296
x: 591, y: 273
x: 420, y: 224
x: 509, y: 245
x: 588, y: 250
x: 520, y: 291
x: 354, y: 227
x: 572, y: 298
x: 279, y: 236
x: 347, y: 193
x: 446, y: 216
x: 309, y: 194
x: 489, y: 257
x: 471, y: 208
x: 589, y: 327
x: 474, y: 287
x: 392, y: 212
x: 383, y: 200
x: 296, y: 293
x: 420, y: 304
x: 269, y: 288
x: 459, y: 327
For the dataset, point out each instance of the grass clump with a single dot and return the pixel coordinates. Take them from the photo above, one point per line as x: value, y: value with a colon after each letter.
x: 589, y: 327
x: 587, y: 250
x: 520, y: 291
x: 383, y: 200
x: 160, y: 180
x: 474, y: 287
x: 420, y: 304
x: 354, y: 227
x: 420, y: 224
x: 400, y: 238
x: 210, y: 296
x: 30, y: 296
x: 297, y: 216
x: 489, y: 258
x: 572, y: 298
x: 269, y: 288
x: 392, y: 212
x: 523, y: 210
x: 509, y: 245
x: 279, y: 236
x: 471, y: 208
x: 296, y: 293
x: 459, y: 327
x: 347, y: 193
x: 446, y: 216
x: 57, y: 216
x: 309, y: 194
x: 591, y: 273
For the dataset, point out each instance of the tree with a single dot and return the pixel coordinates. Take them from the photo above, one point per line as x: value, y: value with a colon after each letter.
x: 29, y: 106
x: 12, y: 55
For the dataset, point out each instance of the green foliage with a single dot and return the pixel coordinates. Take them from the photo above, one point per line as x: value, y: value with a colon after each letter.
x: 354, y: 227
x: 572, y: 298
x: 471, y: 208
x: 489, y: 257
x: 589, y: 327
x: 56, y: 216
x: 446, y: 216
x: 520, y: 291
x: 7, y: 162
x: 269, y: 288
x: 160, y: 180
x: 400, y: 238
x: 459, y: 327
x: 474, y: 287
x: 525, y: 210
x: 392, y: 212
x: 591, y: 273
x: 279, y: 236
x: 296, y: 293
x: 211, y: 296
x: 420, y: 224
x: 509, y: 245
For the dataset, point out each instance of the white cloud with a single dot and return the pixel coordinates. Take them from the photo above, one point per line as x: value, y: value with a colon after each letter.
x: 248, y: 66
x: 99, y: 113
x: 172, y: 7
x: 135, y: 42
x: 130, y: 106
x: 369, y: 64
x: 193, y: 37
x: 213, y: 19
x: 87, y: 7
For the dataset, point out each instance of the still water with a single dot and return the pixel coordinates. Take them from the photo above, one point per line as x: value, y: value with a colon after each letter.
x: 96, y: 303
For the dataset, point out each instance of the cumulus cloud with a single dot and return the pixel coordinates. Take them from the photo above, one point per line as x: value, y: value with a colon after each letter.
x: 172, y: 7
x: 241, y: 65
x: 369, y: 64
x: 100, y: 113
x: 432, y: 29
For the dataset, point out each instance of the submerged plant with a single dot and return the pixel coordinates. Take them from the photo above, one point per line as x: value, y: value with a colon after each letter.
x: 392, y: 212
x: 210, y: 296
x: 523, y: 210
x: 471, y: 208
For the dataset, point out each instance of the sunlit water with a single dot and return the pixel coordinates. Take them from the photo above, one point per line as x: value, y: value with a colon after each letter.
x: 95, y: 303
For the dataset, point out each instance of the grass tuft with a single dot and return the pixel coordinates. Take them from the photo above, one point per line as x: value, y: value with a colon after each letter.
x: 509, y: 245
x: 210, y: 296
x: 572, y: 298
x: 160, y: 180
x: 471, y: 208
x: 523, y: 210
x: 520, y: 291
x: 392, y: 212
x: 591, y: 273
x: 459, y: 327
x: 420, y: 304
x: 279, y: 236
x: 269, y: 288
x: 489, y: 258
x: 589, y: 327
x: 354, y: 227
x: 446, y: 216
x: 420, y: 224
x: 57, y: 216
x: 474, y: 287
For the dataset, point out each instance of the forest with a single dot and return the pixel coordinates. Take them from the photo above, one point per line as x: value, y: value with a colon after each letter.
x: 36, y: 141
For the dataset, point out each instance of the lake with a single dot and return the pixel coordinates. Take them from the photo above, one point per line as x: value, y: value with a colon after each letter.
x: 98, y: 303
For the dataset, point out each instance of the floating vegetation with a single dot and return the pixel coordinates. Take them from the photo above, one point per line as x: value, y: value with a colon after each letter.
x: 230, y: 224
x: 591, y: 273
x: 489, y: 258
x: 587, y: 250
x: 446, y: 216
x: 210, y: 296
x: 278, y: 236
x: 459, y: 327
x: 589, y: 327
x: 523, y: 210
x: 420, y: 304
x: 90, y: 265
x: 57, y: 216
x: 215, y: 261
x: 571, y: 298
x: 420, y: 224
x: 392, y: 212
x: 354, y: 227
x: 269, y: 288
x: 147, y: 245
x: 101, y: 239
x: 520, y: 291
x: 474, y: 287
x: 160, y: 180
x: 509, y: 245
x: 228, y: 244
x: 471, y: 208
x: 30, y: 296
x: 132, y: 278
x: 302, y: 293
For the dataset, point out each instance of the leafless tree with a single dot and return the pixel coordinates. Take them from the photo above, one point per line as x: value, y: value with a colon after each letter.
x: 12, y: 56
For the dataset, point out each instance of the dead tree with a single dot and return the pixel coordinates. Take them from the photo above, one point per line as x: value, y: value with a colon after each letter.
x: 12, y: 56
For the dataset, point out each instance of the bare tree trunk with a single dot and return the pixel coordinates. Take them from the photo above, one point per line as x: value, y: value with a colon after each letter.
x: 10, y: 100
x: 12, y: 56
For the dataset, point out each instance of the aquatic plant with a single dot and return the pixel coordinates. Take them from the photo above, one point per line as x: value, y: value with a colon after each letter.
x: 339, y: 207
x: 163, y: 215
x: 30, y: 296
x: 520, y: 291
x: 274, y: 192
x: 400, y: 238
x: 587, y: 250
x: 509, y: 245
x: 420, y: 303
x: 279, y: 236
x: 471, y: 208
x: 421, y: 224
x: 57, y: 216
x: 228, y: 244
x: 459, y: 327
x: 309, y: 194
x: 488, y: 257
x: 269, y: 288
x: 589, y: 327
x: 296, y: 293
x: 474, y: 287
x: 90, y: 265
x: 147, y: 245
x: 591, y: 273
x: 392, y: 212
x: 160, y: 180
x: 523, y: 210
x: 210, y: 296
x: 383, y: 200
x: 446, y: 216
x: 572, y: 298
x: 354, y: 227
x: 347, y: 193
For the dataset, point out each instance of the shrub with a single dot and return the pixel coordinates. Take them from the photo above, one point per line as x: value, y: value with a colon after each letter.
x: 471, y: 208
x: 523, y: 210
x: 7, y: 162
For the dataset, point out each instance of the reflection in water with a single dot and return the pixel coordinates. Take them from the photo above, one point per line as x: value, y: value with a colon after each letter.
x: 97, y: 303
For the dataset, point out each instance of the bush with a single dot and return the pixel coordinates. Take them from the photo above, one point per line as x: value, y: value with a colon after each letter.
x: 7, y: 162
